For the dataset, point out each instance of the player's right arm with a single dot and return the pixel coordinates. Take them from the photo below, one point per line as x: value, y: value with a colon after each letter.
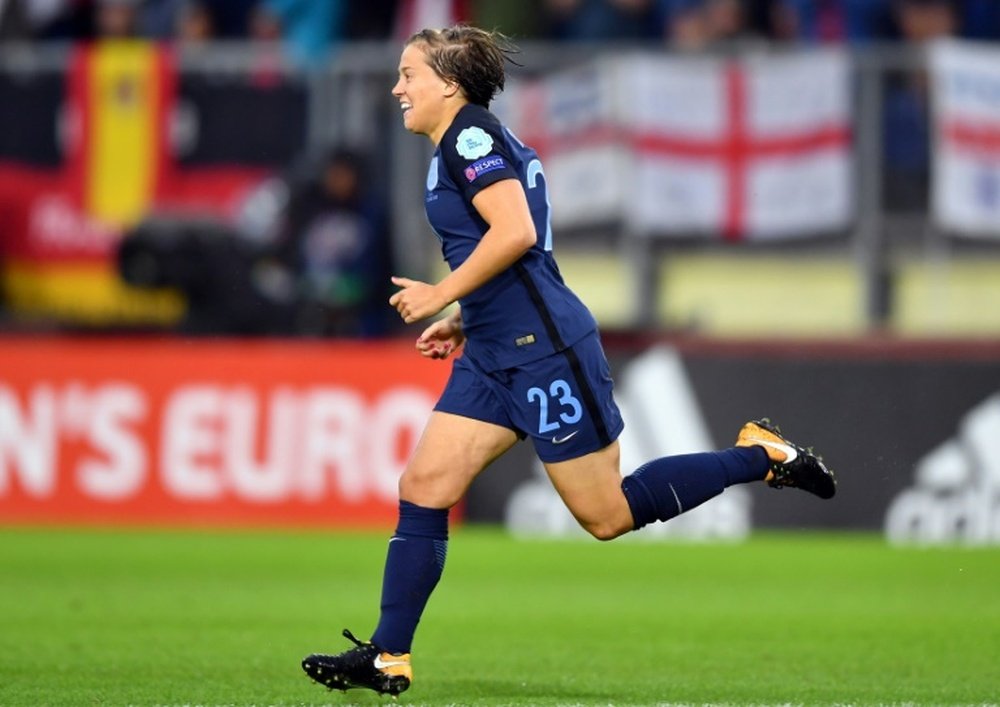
x: 442, y: 338
x: 510, y: 234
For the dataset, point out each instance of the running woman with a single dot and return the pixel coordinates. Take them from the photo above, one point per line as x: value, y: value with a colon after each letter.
x: 532, y: 365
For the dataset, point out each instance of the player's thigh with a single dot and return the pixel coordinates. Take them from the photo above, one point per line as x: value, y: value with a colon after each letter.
x: 565, y: 402
x: 590, y: 486
x: 450, y: 454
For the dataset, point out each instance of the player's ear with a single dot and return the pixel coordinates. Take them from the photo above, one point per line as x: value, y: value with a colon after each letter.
x: 451, y: 88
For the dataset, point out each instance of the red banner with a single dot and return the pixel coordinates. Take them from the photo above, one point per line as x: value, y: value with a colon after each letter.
x: 208, y: 433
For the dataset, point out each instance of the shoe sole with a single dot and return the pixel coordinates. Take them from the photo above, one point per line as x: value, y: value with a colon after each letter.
x: 337, y: 681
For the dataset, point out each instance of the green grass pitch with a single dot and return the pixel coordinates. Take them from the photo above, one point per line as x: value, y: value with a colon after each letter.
x: 101, y: 617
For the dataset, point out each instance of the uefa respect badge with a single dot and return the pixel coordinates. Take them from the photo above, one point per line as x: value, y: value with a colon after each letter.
x: 489, y: 164
x: 473, y: 143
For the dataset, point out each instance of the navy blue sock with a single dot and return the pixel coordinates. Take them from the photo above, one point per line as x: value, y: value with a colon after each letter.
x: 666, y: 487
x: 413, y: 567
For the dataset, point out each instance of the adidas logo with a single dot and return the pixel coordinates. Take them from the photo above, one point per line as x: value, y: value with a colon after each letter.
x: 955, y: 497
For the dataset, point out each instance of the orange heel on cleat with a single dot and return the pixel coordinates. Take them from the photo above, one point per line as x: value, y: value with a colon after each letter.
x: 790, y: 464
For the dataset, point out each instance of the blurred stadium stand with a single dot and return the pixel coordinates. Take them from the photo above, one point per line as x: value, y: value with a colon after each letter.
x: 237, y: 116
x: 147, y: 189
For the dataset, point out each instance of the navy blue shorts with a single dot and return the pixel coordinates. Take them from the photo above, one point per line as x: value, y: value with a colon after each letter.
x: 564, y: 402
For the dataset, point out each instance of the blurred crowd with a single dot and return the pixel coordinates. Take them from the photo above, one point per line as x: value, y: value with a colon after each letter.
x: 313, y: 28
x: 320, y: 272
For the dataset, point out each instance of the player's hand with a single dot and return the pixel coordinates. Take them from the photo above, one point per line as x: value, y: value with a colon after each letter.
x: 417, y: 300
x: 441, y: 339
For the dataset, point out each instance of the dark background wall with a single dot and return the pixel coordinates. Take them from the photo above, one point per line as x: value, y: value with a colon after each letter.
x: 872, y: 409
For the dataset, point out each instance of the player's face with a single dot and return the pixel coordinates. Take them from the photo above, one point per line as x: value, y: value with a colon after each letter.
x: 421, y: 92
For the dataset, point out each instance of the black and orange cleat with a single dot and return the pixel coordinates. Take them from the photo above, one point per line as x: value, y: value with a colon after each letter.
x: 791, y: 465
x: 364, y: 666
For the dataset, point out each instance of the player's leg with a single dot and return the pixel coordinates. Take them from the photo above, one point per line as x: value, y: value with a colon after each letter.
x: 450, y: 454
x: 607, y: 505
x: 664, y: 488
x: 591, y: 488
x: 566, y: 401
x: 465, y: 433
x: 452, y: 451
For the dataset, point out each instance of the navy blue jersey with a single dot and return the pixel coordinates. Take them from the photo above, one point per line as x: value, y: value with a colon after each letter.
x: 527, y: 311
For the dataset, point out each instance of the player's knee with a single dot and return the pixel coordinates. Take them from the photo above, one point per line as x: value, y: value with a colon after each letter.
x: 430, y: 491
x: 606, y: 529
x: 606, y: 520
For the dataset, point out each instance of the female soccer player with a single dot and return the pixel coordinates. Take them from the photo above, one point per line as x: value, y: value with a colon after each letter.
x: 532, y: 364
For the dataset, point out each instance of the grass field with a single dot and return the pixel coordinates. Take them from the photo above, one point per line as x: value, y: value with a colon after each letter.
x: 93, y: 617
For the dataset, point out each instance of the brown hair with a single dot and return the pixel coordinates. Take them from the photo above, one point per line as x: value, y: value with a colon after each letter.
x: 471, y: 57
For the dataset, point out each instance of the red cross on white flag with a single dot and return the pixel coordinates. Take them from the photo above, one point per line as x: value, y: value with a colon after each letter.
x: 753, y: 148
x: 966, y: 176
x: 756, y: 148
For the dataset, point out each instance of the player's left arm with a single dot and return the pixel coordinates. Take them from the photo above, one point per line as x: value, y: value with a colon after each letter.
x: 504, y: 207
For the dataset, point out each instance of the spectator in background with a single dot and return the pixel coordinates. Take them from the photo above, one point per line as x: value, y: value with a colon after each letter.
x: 268, y: 58
x: 308, y: 29
x: 920, y: 21
x: 695, y: 24
x: 685, y: 23
x: 263, y: 26
x: 195, y: 20
x: 309, y: 258
x: 831, y: 21
x: 594, y: 20
x: 116, y: 19
x: 194, y: 24
x: 907, y: 121
x: 333, y: 241
x: 158, y: 18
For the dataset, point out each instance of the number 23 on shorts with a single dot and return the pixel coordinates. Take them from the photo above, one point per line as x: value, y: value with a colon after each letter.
x: 565, y: 406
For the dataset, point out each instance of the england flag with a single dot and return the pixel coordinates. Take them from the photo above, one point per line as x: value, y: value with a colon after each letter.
x: 757, y: 147
x: 965, y: 80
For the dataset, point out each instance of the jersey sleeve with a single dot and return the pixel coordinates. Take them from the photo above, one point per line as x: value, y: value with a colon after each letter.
x: 475, y: 152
